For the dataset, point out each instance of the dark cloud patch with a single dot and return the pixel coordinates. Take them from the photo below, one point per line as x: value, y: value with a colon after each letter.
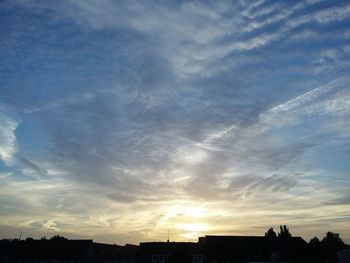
x: 284, y: 155
x: 15, y: 205
x: 273, y: 183
x: 34, y: 167
x: 344, y: 200
x: 36, y: 224
x: 238, y: 183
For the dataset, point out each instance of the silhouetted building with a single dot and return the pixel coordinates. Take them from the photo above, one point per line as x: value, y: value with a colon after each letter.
x: 220, y: 249
x: 161, y: 252
x: 54, y: 251
x: 115, y: 254
x: 127, y: 253
x: 6, y: 251
x: 64, y: 251
x: 105, y: 253
x: 208, y: 249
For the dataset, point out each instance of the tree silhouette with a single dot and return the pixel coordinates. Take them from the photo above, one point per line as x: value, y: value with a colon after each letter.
x: 327, y: 248
x: 330, y: 245
x: 284, y: 232
x: 58, y: 238
x: 333, y: 240
x: 270, y: 233
x: 315, y: 248
x: 315, y: 242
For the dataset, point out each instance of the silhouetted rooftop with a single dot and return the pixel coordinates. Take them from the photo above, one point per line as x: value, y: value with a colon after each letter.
x: 58, y: 249
x: 241, y: 247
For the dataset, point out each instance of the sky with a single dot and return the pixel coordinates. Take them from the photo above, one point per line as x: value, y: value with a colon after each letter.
x: 123, y: 120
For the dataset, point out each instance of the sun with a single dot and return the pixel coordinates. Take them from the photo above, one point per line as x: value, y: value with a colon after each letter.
x: 193, y: 227
x: 187, y: 219
x: 191, y: 231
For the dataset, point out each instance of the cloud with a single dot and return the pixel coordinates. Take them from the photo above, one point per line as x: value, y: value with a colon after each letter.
x: 340, y: 201
x: 8, y: 145
x: 275, y: 183
x: 279, y: 13
x: 119, y: 197
x: 326, y: 100
x: 325, y: 16
x: 230, y: 151
x: 33, y: 168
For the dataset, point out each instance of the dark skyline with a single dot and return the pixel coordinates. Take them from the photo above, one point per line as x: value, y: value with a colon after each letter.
x: 121, y: 120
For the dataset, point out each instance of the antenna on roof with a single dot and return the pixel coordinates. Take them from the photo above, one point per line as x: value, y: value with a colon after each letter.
x: 20, y: 235
x: 168, y: 235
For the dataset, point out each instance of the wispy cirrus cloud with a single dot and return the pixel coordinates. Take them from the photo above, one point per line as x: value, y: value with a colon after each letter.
x: 8, y: 145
